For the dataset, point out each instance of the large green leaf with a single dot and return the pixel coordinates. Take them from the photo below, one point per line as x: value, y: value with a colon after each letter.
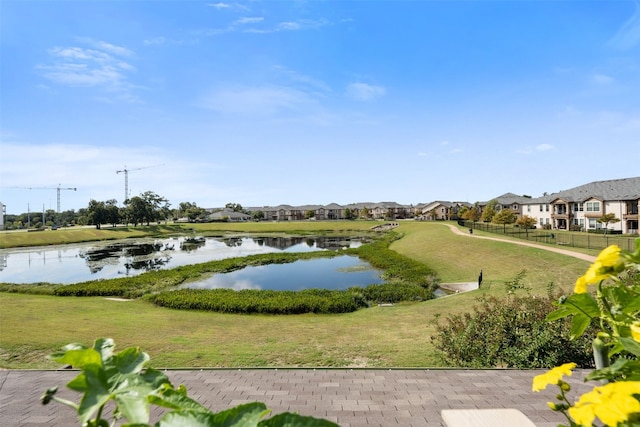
x: 105, y: 347
x: 178, y: 400
x: 187, y: 419
x: 130, y: 360
x: 288, y: 419
x: 579, y: 323
x: 78, y: 358
x: 247, y: 415
x: 576, y: 304
x: 96, y: 394
x: 134, y: 407
x: 630, y: 345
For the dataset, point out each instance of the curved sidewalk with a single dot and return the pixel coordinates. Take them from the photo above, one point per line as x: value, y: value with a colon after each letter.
x: 351, y: 398
x: 578, y: 255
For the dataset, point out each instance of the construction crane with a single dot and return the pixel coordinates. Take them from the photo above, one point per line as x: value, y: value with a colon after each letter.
x: 126, y: 178
x: 58, y: 188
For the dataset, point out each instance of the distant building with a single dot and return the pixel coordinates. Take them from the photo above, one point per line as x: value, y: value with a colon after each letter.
x: 579, y: 208
x: 3, y: 213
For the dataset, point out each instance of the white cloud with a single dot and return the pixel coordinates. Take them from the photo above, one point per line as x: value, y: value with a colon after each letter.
x: 219, y: 5
x: 364, y: 91
x: 100, y: 67
x: 628, y: 36
x: 256, y: 100
x: 540, y: 147
x: 601, y: 79
x: 456, y: 151
x: 248, y: 20
x: 289, y: 26
x: 544, y: 147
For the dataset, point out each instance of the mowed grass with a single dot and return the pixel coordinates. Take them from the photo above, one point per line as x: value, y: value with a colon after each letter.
x: 398, y: 336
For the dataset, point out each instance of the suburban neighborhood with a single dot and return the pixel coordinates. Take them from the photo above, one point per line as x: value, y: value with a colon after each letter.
x: 575, y: 209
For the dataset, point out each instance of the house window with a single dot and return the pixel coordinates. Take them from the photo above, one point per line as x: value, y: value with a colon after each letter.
x: 541, y: 208
x: 593, y: 223
x: 547, y: 221
x: 514, y: 207
x: 547, y: 207
x: 541, y: 221
x: 593, y: 206
x: 528, y: 208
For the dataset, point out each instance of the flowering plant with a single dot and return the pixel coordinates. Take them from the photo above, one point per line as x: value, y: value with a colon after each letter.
x: 614, y: 305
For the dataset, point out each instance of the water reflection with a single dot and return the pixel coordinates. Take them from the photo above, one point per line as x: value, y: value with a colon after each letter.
x: 341, y: 272
x: 105, y: 260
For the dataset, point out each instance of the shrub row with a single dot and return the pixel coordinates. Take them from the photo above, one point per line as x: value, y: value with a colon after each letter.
x: 251, y: 301
x: 510, y: 332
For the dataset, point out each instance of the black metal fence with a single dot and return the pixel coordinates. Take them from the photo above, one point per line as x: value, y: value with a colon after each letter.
x: 554, y: 237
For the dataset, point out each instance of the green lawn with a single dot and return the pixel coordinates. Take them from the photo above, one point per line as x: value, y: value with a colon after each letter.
x: 33, y: 326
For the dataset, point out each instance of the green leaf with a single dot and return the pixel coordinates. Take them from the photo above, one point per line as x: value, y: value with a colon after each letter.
x: 288, y: 419
x: 105, y: 347
x: 134, y: 407
x: 187, y: 419
x: 96, y: 394
x: 176, y: 399
x: 78, y: 358
x: 575, y: 304
x: 130, y: 360
x: 79, y: 383
x: 247, y: 415
x: 630, y: 345
x: 579, y: 324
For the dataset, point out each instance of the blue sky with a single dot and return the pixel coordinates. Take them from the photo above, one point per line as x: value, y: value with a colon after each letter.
x: 313, y: 102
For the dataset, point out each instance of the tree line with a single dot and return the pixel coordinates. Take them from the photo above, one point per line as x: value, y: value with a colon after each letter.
x: 146, y: 208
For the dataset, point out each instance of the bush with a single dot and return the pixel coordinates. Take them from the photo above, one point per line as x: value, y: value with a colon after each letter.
x: 510, y: 332
x: 251, y: 301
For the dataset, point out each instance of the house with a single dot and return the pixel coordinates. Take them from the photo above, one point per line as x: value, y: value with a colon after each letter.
x: 440, y: 210
x: 580, y: 208
x: 508, y: 201
x: 229, y: 215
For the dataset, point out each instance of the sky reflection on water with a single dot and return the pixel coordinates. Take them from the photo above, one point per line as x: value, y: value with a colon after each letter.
x: 341, y: 272
x: 107, y: 260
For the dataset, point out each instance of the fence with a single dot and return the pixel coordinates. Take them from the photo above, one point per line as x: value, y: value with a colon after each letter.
x: 554, y: 237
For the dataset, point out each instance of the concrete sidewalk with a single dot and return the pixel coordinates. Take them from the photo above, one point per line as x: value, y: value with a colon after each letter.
x: 352, y: 398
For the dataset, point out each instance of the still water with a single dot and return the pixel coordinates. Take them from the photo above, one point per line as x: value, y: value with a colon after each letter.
x: 106, y: 260
x: 341, y: 272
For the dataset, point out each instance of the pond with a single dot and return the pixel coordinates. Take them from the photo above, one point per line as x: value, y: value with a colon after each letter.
x: 107, y: 260
x: 341, y: 272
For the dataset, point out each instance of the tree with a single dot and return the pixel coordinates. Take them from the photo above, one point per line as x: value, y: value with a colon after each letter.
x: 310, y: 214
x: 112, y: 212
x: 364, y: 213
x: 504, y: 217
x: 348, y: 214
x: 156, y: 207
x: 257, y: 215
x: 236, y: 207
x: 433, y: 214
x: 191, y: 211
x: 97, y: 213
x: 489, y: 211
x: 136, y: 210
x: 607, y: 219
x: 526, y: 222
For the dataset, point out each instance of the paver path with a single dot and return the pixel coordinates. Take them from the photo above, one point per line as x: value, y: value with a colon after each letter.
x: 579, y: 255
x: 350, y: 397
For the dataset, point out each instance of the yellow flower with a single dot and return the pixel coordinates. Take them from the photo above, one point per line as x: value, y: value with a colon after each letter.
x: 612, y: 403
x: 606, y: 264
x: 635, y: 331
x: 553, y: 377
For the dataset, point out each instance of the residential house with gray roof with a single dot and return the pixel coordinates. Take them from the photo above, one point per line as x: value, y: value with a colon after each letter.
x: 580, y: 208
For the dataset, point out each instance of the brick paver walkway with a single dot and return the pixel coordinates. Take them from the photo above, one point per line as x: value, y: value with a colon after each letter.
x: 352, y: 398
